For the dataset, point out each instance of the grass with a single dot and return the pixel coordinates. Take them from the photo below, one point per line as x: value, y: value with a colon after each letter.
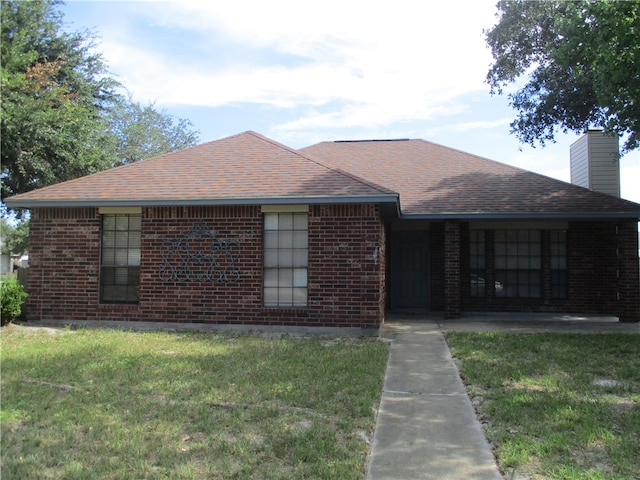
x: 556, y: 406
x: 111, y: 404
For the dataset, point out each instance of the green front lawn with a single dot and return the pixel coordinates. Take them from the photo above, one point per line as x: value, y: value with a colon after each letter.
x: 556, y: 406
x: 110, y: 404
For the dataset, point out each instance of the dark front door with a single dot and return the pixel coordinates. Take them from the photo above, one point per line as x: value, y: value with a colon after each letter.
x: 409, y: 269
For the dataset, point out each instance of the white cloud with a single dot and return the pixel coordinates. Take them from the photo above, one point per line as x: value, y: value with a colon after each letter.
x: 464, y: 127
x: 378, y: 63
x: 630, y: 177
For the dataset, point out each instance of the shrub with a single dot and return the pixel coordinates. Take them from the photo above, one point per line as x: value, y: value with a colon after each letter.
x: 12, y: 295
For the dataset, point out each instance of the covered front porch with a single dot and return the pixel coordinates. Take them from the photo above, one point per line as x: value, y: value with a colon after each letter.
x: 455, y: 267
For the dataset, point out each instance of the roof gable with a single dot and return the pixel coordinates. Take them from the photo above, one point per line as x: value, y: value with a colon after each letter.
x: 434, y: 180
x: 244, y: 168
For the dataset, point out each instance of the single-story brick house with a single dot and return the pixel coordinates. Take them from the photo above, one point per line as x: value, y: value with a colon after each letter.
x: 247, y: 231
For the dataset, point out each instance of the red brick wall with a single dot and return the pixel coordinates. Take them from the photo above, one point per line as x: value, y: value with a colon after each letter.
x: 603, y: 268
x: 347, y: 264
x: 452, y: 256
x: 629, y: 272
x: 346, y: 274
x: 64, y: 255
x: 592, y: 263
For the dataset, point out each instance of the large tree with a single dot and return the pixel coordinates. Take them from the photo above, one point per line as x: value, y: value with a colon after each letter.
x: 53, y: 89
x: 581, y: 64
x: 141, y: 131
x: 62, y: 114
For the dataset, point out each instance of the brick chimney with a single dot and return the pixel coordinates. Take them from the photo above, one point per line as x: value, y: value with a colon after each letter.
x: 595, y: 162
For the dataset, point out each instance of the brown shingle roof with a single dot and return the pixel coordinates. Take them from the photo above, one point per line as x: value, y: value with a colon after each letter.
x: 244, y: 168
x: 435, y: 180
x: 432, y: 181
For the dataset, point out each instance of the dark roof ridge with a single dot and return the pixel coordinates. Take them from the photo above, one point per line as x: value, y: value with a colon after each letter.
x: 374, y: 140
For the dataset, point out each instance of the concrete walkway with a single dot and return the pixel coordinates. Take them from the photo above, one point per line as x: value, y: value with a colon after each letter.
x: 426, y: 426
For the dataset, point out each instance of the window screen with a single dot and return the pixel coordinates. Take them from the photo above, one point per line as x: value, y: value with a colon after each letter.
x: 477, y: 263
x: 285, y: 259
x: 558, y: 263
x: 120, y: 258
x: 518, y: 263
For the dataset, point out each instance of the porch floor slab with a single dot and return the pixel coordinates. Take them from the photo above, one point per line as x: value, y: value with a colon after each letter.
x: 537, y: 323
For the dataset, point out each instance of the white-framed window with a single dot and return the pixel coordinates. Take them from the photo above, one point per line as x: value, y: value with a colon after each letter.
x: 285, y: 257
x: 120, y: 258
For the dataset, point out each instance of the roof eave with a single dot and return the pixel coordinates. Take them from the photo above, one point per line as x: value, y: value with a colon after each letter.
x: 521, y: 216
x: 311, y: 200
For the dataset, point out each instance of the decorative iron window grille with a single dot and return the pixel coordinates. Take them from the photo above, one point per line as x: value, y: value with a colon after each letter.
x: 199, y: 256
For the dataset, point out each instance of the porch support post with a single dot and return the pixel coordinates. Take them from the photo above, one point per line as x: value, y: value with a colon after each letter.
x: 452, y: 299
x: 628, y: 272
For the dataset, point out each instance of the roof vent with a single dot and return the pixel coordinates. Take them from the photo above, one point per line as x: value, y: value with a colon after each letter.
x: 595, y: 162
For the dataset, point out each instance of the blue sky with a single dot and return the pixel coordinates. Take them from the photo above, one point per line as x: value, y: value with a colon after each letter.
x: 301, y: 72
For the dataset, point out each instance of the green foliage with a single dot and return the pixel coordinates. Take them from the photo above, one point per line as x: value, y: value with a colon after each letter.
x: 581, y: 60
x: 12, y: 295
x: 61, y: 114
x: 140, y: 132
x: 53, y: 88
x: 15, y: 239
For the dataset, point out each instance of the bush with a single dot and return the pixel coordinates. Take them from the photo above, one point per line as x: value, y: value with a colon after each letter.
x: 12, y: 295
